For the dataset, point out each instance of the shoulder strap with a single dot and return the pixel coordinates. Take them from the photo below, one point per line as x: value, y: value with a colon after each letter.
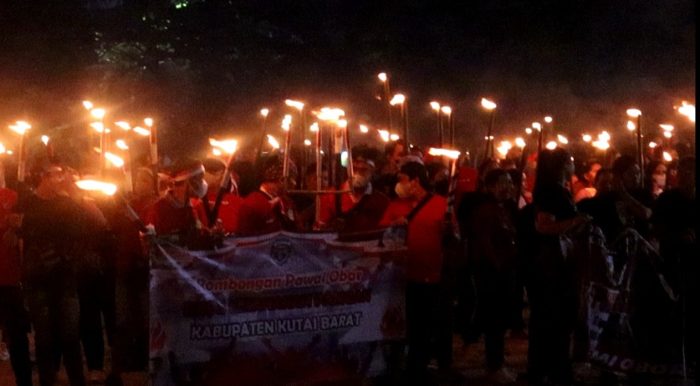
x: 418, y: 207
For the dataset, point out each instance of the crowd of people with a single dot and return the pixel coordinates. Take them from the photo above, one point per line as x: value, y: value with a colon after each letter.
x: 482, y: 245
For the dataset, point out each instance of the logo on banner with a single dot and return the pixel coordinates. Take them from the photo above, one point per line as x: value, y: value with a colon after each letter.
x: 281, y: 250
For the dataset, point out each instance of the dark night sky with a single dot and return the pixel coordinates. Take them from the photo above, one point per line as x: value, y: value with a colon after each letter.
x: 217, y: 62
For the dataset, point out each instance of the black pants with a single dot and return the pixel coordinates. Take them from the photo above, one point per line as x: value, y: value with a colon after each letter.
x: 130, y: 348
x: 495, y: 293
x: 91, y: 295
x: 14, y: 322
x: 422, y: 317
x: 552, y: 318
x: 55, y: 313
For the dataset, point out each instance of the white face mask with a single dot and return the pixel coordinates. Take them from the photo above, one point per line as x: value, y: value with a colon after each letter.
x: 359, y: 181
x: 199, y: 187
x: 659, y: 180
x: 402, y: 190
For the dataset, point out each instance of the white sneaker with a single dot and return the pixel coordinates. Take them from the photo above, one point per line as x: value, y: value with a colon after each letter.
x: 4, y: 354
x: 502, y: 376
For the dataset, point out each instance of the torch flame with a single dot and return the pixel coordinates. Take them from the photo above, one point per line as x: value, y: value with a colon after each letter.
x: 216, y: 152
x: 123, y: 125
x: 382, y: 76
x: 587, y: 138
x: 329, y: 114
x: 94, y: 185
x: 435, y: 106
x: 652, y: 145
x: 668, y: 134
x: 364, y: 129
x: 286, y: 122
x: 601, y: 145
x: 394, y: 137
x: 122, y: 144
x: 296, y: 104
x: 342, y: 123
x: 148, y: 122
x: 562, y: 139
x: 45, y: 139
x: 307, y: 142
x: 273, y: 142
x: 384, y: 135
x: 88, y: 105
x: 98, y: 126
x: 447, y: 110
x: 666, y: 127
x: 548, y: 119
x: 537, y: 126
x: 98, y: 113
x: 528, y: 131
x: 437, y: 152
x: 519, y: 142
x: 551, y: 145
x: 264, y: 112
x: 114, y: 159
x: 688, y: 110
x: 228, y: 146
x: 634, y: 113
x: 604, y: 136
x: 141, y: 131
x: 631, y: 126
x: 667, y: 157
x: 397, y: 99
x: 20, y: 127
x: 2, y: 148
x: 487, y: 104
x: 313, y: 127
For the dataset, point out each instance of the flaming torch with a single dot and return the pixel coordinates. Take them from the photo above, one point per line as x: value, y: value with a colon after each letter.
x: 636, y: 113
x: 229, y: 147
x: 447, y: 110
x: 400, y: 99
x: 688, y: 110
x: 100, y: 114
x: 489, y: 106
x: 21, y: 127
x: 436, y: 107
x: 299, y: 106
x: 386, y: 90
x: 287, y: 127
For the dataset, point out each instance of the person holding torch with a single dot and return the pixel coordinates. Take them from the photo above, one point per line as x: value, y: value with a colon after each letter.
x: 53, y: 231
x: 175, y: 215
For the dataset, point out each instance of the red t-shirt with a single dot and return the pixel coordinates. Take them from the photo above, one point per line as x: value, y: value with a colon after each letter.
x: 258, y: 215
x: 229, y: 210
x: 169, y: 219
x: 9, y: 258
x: 423, y: 238
x: 328, y: 212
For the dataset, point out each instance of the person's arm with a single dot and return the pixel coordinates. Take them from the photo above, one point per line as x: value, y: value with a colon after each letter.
x: 547, y: 224
x: 635, y: 208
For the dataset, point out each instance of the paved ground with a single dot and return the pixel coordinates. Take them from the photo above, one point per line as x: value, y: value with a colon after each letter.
x: 469, y: 362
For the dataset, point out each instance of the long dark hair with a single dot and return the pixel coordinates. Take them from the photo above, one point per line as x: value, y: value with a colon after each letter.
x: 550, y: 166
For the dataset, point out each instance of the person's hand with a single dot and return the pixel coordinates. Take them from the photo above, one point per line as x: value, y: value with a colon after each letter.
x: 401, y: 221
x: 218, y: 227
x: 150, y: 231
